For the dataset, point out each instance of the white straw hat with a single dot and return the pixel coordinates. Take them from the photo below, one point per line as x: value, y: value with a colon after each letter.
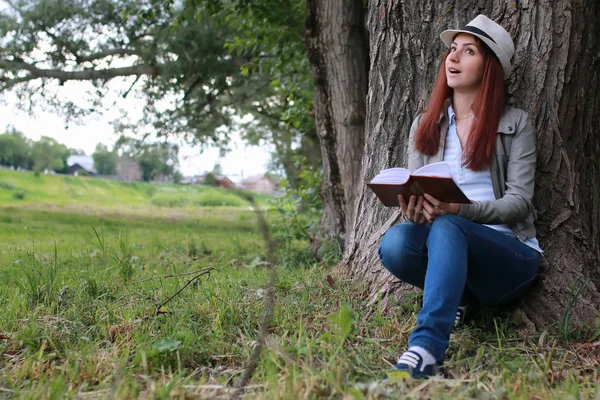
x: 492, y: 34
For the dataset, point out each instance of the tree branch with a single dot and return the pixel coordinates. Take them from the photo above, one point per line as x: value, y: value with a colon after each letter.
x: 137, y: 78
x: 9, y: 83
x: 89, y: 74
x: 198, y: 81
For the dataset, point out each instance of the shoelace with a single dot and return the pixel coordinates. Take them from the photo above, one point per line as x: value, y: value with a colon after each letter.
x: 460, y: 313
x: 458, y: 317
x: 409, y: 358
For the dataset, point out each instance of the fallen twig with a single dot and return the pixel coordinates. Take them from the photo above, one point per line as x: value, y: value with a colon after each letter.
x: 194, y: 279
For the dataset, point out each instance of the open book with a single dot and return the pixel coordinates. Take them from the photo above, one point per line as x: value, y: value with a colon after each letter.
x: 434, y: 179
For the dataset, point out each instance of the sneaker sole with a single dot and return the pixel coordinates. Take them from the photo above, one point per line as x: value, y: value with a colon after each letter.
x: 398, y: 376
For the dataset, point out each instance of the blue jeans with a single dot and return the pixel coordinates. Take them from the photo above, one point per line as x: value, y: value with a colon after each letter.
x: 450, y: 259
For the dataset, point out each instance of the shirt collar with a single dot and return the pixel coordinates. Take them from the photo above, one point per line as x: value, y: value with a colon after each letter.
x: 451, y: 115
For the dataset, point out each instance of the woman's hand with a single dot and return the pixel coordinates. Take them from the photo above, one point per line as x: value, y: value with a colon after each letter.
x: 432, y: 208
x: 413, y: 210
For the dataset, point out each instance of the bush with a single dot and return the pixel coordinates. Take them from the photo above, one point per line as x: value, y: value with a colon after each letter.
x: 177, y: 177
x: 208, y: 197
x: 213, y: 197
x: 18, y: 195
x: 296, y: 217
x: 210, y: 179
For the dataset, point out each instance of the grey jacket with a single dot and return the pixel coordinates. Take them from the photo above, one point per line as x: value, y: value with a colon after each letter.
x: 512, y: 170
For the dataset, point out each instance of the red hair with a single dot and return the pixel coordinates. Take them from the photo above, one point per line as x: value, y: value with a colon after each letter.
x: 487, y: 110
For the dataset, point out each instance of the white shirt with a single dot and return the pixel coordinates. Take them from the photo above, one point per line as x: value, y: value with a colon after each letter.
x: 477, y: 185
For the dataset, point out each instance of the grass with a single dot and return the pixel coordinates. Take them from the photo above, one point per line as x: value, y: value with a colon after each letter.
x: 79, y: 286
x: 25, y: 188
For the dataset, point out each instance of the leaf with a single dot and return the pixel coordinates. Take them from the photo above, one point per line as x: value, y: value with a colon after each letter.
x: 165, y: 345
x: 162, y: 310
x: 343, y: 320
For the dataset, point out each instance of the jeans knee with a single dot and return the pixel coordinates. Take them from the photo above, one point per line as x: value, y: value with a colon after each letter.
x: 401, y: 256
x: 391, y: 244
x: 447, y: 222
x: 447, y: 219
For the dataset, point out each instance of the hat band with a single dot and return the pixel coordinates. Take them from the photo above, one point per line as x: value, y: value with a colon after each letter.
x: 478, y: 31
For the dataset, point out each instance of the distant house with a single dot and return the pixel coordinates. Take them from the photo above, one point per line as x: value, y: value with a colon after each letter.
x: 225, y: 182
x: 77, y: 164
x: 77, y: 170
x: 128, y: 170
x: 259, y: 184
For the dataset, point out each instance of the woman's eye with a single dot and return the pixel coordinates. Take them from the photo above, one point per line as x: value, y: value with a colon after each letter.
x: 470, y: 51
x: 452, y: 49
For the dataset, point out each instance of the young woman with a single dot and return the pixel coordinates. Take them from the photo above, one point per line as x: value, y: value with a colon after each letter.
x: 457, y: 253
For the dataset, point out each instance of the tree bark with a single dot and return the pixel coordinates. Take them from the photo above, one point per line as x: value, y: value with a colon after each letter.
x: 338, y: 53
x: 555, y: 77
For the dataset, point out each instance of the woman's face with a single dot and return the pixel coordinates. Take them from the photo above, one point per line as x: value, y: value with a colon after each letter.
x: 464, y: 64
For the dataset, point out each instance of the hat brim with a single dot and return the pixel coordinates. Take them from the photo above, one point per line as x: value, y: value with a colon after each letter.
x: 448, y: 36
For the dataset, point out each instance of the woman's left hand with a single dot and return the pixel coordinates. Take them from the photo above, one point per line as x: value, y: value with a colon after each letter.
x: 432, y: 208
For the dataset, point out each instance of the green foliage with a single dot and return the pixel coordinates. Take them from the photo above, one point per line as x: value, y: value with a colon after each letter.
x: 296, y: 215
x: 178, y: 177
x: 273, y: 35
x: 565, y: 329
x: 48, y: 154
x: 19, y: 152
x: 206, y: 197
x: 105, y: 161
x: 341, y: 323
x: 38, y: 281
x: 185, y: 62
x: 155, y: 160
x: 15, y: 150
x: 210, y: 179
x: 18, y: 195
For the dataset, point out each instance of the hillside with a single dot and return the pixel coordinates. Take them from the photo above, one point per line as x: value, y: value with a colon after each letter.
x: 26, y: 189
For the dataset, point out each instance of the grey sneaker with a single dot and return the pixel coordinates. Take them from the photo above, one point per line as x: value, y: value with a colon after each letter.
x: 410, y: 365
x: 460, y: 315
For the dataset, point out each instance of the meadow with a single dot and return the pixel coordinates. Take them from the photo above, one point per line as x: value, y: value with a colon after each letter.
x: 135, y: 290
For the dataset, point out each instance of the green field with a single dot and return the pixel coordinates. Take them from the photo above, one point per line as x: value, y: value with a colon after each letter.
x: 85, y: 262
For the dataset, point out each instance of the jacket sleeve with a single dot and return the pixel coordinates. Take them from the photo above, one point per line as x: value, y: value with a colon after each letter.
x: 516, y: 204
x: 415, y: 159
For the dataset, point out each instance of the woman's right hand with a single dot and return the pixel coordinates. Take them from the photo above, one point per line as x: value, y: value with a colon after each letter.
x: 413, y: 210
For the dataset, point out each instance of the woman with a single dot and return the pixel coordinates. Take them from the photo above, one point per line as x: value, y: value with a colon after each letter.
x: 486, y: 250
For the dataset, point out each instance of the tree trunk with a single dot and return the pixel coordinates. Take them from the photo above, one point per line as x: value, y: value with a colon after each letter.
x: 556, y: 78
x: 338, y: 53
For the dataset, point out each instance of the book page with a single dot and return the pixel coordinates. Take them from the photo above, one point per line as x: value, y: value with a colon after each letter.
x: 392, y: 176
x: 441, y: 169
